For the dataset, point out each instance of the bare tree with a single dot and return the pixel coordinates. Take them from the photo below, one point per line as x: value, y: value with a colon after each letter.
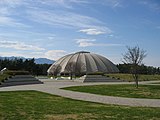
x: 80, y: 69
x: 55, y: 70
x: 134, y: 56
x: 70, y: 68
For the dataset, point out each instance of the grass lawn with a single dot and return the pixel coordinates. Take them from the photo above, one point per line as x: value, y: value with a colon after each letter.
x: 144, y: 91
x: 128, y: 77
x: 31, y: 105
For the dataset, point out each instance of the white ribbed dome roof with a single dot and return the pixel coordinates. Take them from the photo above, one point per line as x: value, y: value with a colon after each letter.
x: 81, y: 63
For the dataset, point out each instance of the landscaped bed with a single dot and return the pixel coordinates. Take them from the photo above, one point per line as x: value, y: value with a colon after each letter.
x: 28, y: 105
x: 128, y: 77
x: 143, y: 91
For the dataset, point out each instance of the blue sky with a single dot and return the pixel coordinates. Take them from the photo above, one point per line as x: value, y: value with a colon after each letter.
x: 53, y: 28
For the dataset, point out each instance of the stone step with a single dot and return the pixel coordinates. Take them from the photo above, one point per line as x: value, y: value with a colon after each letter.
x: 101, y: 80
x: 20, y: 80
x: 19, y: 83
x: 97, y: 78
x: 94, y: 76
x: 22, y: 76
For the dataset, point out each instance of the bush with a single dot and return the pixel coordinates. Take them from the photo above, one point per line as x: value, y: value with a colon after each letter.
x: 3, y: 77
x: 12, y: 73
x: 8, y: 74
x: 2, y: 80
x: 96, y: 73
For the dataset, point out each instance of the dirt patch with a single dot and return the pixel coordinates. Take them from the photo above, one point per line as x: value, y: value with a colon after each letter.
x: 55, y: 98
x: 70, y: 116
x: 145, y: 93
x: 96, y: 105
x: 28, y: 97
x: 62, y: 117
x: 22, y: 113
x: 109, y: 117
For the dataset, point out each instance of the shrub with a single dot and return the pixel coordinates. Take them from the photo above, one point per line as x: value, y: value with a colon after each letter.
x: 96, y: 73
x: 3, y: 77
x: 8, y: 74
x: 12, y: 73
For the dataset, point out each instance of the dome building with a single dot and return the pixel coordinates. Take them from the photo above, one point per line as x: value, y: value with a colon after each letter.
x: 81, y: 63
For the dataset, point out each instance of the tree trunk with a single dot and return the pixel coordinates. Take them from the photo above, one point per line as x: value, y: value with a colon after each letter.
x: 70, y: 76
x: 136, y: 79
x: 136, y: 83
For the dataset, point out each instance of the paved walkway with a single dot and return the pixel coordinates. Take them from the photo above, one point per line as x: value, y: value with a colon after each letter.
x: 53, y: 87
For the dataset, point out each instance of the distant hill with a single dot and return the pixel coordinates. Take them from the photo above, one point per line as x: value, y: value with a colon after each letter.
x: 37, y: 60
x: 43, y: 61
x: 12, y: 58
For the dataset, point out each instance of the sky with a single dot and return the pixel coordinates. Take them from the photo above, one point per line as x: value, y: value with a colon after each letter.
x: 54, y: 28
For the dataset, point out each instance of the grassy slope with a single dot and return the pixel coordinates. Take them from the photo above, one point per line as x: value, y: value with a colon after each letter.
x: 144, y: 91
x: 28, y: 105
x: 128, y: 77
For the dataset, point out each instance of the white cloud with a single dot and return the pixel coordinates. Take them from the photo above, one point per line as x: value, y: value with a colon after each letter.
x: 63, y: 3
x: 8, y: 54
x: 4, y: 11
x: 34, y: 54
x: 51, y: 54
x: 92, y: 42
x: 67, y: 19
x: 35, y: 12
x: 5, y: 20
x: 32, y: 3
x: 51, y: 37
x: 70, y: 3
x: 112, y: 3
x: 19, y: 45
x: 151, y: 4
x: 61, y: 18
x: 8, y: 21
x: 7, y: 11
x: 23, y: 54
x: 55, y: 54
x: 10, y: 3
x: 33, y: 34
x: 85, y: 42
x: 93, y: 31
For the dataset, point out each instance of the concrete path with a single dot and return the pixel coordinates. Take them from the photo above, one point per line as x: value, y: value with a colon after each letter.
x: 53, y: 87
